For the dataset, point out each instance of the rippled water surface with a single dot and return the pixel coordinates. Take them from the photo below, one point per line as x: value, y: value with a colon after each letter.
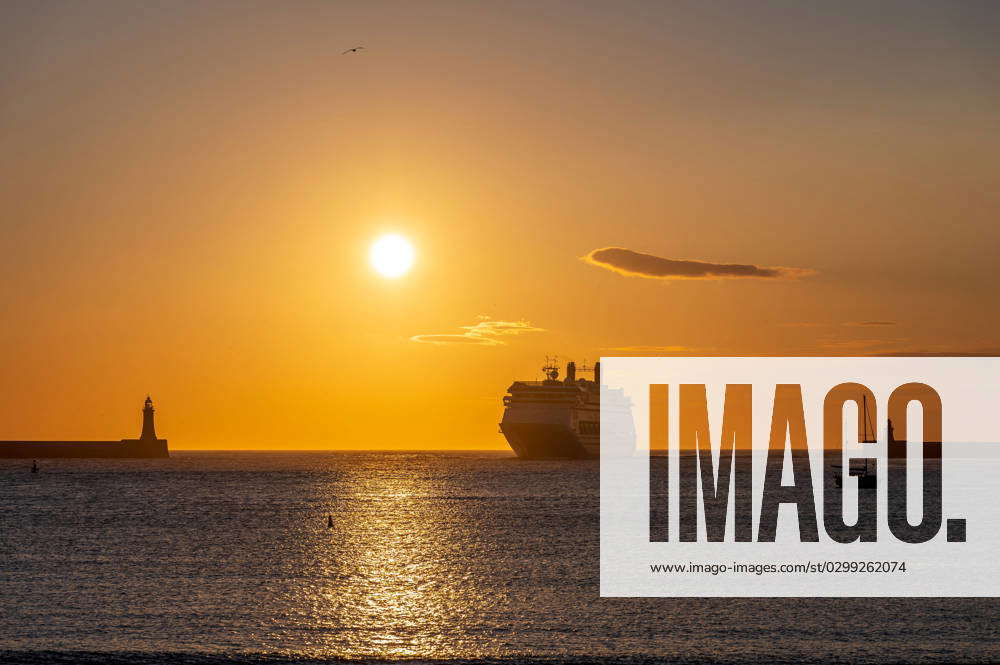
x: 215, y: 557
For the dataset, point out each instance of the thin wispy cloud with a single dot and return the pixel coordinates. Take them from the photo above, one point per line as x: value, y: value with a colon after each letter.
x: 848, y: 324
x: 455, y: 339
x: 869, y: 324
x: 944, y: 352
x: 638, y: 264
x: 870, y: 345
x: 485, y: 332
x: 656, y: 349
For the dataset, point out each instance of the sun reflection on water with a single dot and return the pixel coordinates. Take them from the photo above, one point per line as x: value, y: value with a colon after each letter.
x: 388, y: 579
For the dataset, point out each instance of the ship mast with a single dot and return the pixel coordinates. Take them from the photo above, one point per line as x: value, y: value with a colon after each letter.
x: 551, y: 367
x: 867, y: 424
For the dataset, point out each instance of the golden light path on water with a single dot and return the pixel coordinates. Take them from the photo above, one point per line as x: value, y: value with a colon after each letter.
x: 388, y: 579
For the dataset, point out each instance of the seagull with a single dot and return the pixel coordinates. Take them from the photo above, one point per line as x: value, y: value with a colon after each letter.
x: 352, y: 50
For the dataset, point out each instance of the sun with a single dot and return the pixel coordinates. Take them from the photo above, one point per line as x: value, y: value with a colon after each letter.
x: 391, y: 255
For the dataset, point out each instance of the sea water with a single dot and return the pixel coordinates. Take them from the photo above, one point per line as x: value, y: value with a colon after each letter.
x: 222, y: 557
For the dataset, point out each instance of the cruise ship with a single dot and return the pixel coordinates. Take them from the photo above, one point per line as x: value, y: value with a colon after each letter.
x: 553, y: 418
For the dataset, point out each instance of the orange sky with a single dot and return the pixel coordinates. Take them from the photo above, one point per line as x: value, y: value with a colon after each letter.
x: 189, y: 192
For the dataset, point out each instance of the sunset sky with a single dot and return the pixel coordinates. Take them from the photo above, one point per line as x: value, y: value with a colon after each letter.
x: 189, y: 192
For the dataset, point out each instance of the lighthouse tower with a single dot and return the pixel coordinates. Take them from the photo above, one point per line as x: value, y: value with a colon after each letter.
x: 148, y: 430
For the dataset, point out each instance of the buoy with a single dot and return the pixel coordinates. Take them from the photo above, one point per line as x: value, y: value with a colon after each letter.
x: 34, y: 466
x: 329, y: 521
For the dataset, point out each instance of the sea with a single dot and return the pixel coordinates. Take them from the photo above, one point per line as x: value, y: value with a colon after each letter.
x: 453, y: 557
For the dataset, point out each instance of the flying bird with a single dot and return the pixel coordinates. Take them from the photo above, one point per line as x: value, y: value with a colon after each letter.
x: 352, y: 50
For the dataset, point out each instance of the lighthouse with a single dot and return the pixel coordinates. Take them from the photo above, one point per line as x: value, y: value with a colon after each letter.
x: 148, y: 430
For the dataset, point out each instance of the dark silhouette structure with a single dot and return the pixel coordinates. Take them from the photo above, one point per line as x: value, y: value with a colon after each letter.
x: 146, y: 446
x: 148, y: 429
x: 897, y: 449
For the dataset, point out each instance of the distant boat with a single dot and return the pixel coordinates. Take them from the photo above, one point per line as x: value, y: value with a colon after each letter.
x: 866, y: 478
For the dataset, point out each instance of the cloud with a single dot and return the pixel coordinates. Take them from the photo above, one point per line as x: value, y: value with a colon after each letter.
x: 455, y: 339
x: 960, y: 353
x: 489, y: 327
x: 848, y: 324
x: 485, y: 332
x: 652, y: 348
x: 862, y: 344
x: 637, y: 264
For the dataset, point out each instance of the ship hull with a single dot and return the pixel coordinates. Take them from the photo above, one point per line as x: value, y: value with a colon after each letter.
x: 547, y: 441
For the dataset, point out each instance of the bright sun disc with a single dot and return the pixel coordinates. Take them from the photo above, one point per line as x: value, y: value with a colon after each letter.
x: 392, y: 255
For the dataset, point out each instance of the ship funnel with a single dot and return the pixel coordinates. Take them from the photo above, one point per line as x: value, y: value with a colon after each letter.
x: 571, y: 372
x: 597, y: 373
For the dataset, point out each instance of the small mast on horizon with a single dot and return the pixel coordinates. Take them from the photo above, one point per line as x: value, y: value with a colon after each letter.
x: 148, y: 429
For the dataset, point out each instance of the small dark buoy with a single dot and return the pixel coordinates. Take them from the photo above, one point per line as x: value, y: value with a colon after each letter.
x: 34, y: 466
x: 329, y: 521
